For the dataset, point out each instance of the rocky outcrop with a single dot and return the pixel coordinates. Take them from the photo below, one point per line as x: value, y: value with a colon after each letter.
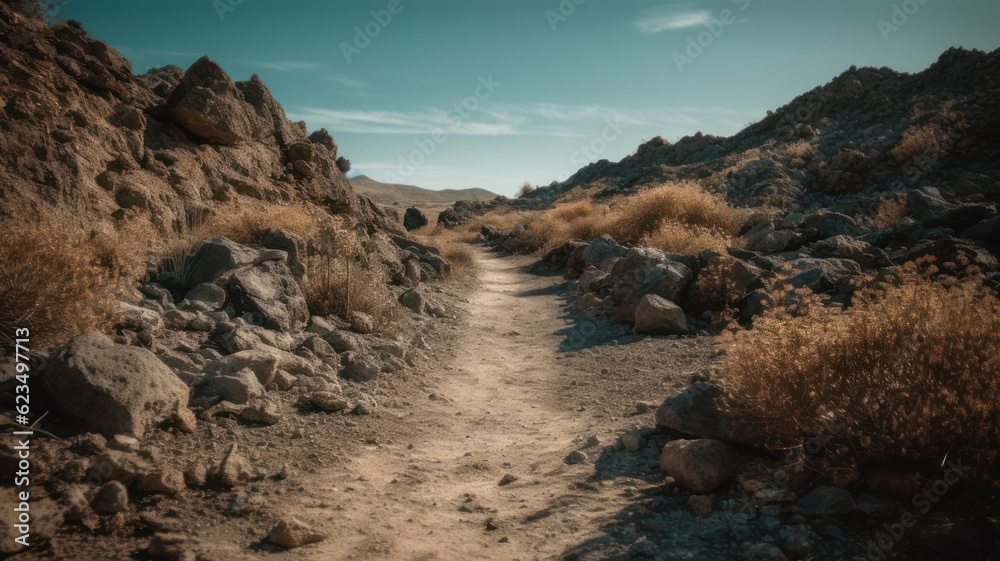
x: 109, y: 145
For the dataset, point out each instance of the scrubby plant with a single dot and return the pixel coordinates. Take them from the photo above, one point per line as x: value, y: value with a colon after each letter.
x: 345, y: 274
x: 51, y: 282
x: 525, y: 189
x: 909, y: 371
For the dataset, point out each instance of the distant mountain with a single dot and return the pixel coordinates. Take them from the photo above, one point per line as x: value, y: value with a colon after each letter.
x: 406, y: 195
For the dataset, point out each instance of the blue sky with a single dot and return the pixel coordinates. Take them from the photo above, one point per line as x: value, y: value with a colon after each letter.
x: 477, y: 93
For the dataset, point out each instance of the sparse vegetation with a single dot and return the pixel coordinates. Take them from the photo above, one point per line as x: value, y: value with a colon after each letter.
x: 52, y: 281
x: 525, y: 189
x: 346, y: 275
x: 907, y: 372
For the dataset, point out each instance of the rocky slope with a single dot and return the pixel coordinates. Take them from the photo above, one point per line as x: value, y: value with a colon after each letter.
x: 87, y: 141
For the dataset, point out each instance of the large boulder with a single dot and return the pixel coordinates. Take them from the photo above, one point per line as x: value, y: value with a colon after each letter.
x: 414, y: 219
x: 208, y: 105
x: 292, y: 244
x: 602, y: 251
x: 114, y: 389
x: 657, y: 315
x: 270, y: 294
x: 932, y: 209
x: 214, y: 258
x: 700, y: 411
x: 644, y: 271
x: 257, y: 94
x: 698, y: 465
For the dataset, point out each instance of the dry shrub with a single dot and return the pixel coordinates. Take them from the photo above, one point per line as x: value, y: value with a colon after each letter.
x: 247, y: 224
x: 51, y: 283
x: 462, y: 260
x: 674, y: 237
x: 923, y: 141
x: 346, y: 274
x: 908, y: 372
x: 686, y: 203
x: 891, y: 213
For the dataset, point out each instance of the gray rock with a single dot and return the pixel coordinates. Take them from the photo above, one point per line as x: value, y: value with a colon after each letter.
x: 846, y: 247
x: 655, y: 314
x: 111, y: 498
x: 362, y: 322
x: 699, y: 465
x: 239, y: 387
x: 602, y: 250
x: 359, y: 368
x: 261, y: 411
x: 233, y: 469
x: 412, y: 300
x: 215, y: 258
x: 646, y: 271
x: 329, y: 401
x: 293, y: 245
x: 271, y: 295
x: 211, y: 294
x: 826, y: 501
x: 115, y: 389
x: 822, y: 275
x: 262, y: 363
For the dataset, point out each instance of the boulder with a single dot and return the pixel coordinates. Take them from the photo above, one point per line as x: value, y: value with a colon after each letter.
x: 359, y: 368
x: 212, y: 295
x: 239, y: 387
x: 698, y: 465
x: 846, y: 247
x: 207, y: 104
x: 412, y: 300
x: 261, y: 362
x: 414, y: 219
x: 115, y: 389
x: 111, y: 498
x: 645, y: 271
x: 700, y: 411
x: 602, y: 251
x: 214, y: 258
x: 273, y: 117
x: 657, y: 315
x: 292, y: 244
x: 271, y: 295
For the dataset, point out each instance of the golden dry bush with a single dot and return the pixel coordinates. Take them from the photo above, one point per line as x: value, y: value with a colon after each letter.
x: 923, y: 141
x: 247, y: 223
x: 51, y: 283
x: 909, y: 371
x: 346, y: 274
x: 687, y: 203
x: 674, y: 237
x: 462, y: 260
x: 716, y: 287
x: 891, y: 213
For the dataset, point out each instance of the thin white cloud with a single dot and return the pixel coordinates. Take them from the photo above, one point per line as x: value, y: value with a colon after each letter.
x: 284, y: 66
x: 536, y: 119
x: 348, y: 81
x: 673, y: 18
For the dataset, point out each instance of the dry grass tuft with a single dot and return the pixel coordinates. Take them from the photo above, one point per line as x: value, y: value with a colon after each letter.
x: 247, y: 225
x: 346, y: 274
x: 51, y: 282
x: 908, y: 372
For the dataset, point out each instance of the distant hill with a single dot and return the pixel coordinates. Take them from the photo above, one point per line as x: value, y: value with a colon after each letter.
x: 406, y: 195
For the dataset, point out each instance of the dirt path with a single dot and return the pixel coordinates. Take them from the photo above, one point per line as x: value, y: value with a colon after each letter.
x: 494, y: 408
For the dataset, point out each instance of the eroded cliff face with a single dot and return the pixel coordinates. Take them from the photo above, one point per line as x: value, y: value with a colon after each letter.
x: 86, y: 141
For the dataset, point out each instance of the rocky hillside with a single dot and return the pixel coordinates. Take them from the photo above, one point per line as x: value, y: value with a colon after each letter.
x: 865, y: 135
x: 106, y: 144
